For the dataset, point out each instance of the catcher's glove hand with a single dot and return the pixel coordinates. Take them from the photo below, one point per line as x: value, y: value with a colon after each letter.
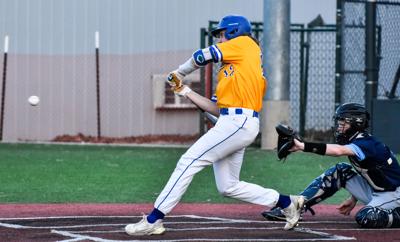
x: 286, y: 136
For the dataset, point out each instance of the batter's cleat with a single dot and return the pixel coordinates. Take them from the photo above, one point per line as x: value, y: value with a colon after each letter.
x: 275, y: 214
x: 143, y: 227
x: 293, y: 211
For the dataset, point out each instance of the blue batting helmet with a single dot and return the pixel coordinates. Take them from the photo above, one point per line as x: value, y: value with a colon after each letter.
x: 235, y: 25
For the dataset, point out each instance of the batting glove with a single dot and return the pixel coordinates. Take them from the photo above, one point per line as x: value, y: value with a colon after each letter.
x: 175, y: 80
x: 182, y: 91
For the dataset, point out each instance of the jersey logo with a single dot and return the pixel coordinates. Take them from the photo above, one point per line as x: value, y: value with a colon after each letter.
x: 200, y: 59
x: 389, y: 161
x: 229, y: 72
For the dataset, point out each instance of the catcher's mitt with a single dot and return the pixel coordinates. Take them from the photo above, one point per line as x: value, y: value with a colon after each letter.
x: 286, y: 136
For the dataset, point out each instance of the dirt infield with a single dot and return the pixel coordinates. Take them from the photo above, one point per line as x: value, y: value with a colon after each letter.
x: 187, y: 222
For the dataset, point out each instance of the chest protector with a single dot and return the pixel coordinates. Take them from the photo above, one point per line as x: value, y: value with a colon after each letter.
x: 379, y: 167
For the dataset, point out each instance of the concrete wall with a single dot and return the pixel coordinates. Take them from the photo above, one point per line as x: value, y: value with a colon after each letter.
x: 125, y: 26
x: 51, y: 54
x: 66, y: 86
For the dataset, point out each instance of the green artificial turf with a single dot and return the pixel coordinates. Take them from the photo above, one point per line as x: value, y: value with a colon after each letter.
x: 37, y: 173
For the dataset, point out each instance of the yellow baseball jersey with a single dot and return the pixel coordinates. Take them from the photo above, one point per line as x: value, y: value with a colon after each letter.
x: 241, y: 82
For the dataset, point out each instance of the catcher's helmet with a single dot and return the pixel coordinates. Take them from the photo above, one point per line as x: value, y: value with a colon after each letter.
x: 354, y: 114
x: 235, y: 25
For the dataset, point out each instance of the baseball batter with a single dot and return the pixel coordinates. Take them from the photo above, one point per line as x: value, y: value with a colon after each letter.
x: 373, y: 177
x: 240, y: 90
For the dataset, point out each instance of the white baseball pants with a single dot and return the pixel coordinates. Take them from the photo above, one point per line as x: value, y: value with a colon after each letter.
x: 360, y: 188
x: 222, y: 146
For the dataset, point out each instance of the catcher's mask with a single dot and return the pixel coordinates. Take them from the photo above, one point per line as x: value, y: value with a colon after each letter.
x: 235, y: 25
x: 356, y: 116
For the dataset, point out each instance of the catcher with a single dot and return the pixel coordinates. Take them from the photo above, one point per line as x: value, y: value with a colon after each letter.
x: 373, y: 178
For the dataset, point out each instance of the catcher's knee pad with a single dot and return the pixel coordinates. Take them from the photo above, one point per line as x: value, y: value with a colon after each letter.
x: 328, y: 183
x: 373, y: 217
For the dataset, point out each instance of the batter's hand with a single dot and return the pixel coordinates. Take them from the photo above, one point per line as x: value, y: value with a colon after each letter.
x: 347, y: 205
x: 175, y: 80
x: 182, y: 91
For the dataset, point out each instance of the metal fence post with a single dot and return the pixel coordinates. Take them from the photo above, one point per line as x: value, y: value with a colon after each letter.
x: 303, y: 84
x: 3, y: 91
x: 202, y: 122
x: 338, y: 54
x: 371, y: 70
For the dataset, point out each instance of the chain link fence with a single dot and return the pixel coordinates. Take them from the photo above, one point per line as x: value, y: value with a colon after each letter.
x: 312, y: 65
x: 315, y: 63
x: 354, y: 48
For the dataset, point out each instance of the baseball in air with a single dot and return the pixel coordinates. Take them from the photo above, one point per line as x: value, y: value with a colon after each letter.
x: 33, y: 100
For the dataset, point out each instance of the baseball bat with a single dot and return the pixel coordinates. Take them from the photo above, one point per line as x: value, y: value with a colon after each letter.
x: 213, y: 119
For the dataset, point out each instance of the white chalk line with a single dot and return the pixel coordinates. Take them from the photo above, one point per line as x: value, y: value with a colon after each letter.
x: 77, y: 236
x: 17, y: 226
x: 333, y: 236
